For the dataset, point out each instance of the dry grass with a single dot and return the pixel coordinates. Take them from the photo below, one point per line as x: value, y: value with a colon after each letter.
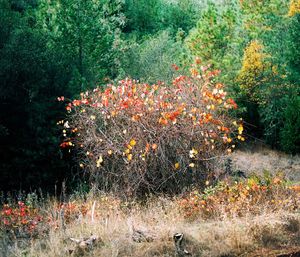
x: 262, y: 158
x: 161, y: 218
x: 268, y: 232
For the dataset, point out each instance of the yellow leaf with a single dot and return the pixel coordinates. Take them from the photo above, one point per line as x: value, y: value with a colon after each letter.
x: 129, y: 157
x: 240, y: 129
x: 192, y: 165
x: 110, y: 152
x: 193, y: 153
x: 127, y: 151
x: 99, y: 161
x: 143, y: 156
x: 177, y: 165
x: 132, y: 142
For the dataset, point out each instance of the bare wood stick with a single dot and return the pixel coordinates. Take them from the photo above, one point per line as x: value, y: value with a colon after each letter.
x: 93, y: 211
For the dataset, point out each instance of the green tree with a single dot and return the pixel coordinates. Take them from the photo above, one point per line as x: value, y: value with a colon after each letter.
x: 214, y: 34
x: 260, y: 17
x: 150, y: 16
x: 273, y: 85
x: 87, y: 33
x: 293, y: 55
x: 30, y: 79
x: 142, y: 16
x: 289, y: 134
x: 152, y: 59
x: 279, y: 111
x: 44, y: 47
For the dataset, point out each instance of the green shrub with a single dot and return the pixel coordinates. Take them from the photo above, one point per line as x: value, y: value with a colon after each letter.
x: 152, y: 59
x: 290, y: 132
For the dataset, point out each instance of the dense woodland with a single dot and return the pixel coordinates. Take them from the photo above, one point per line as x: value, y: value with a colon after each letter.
x: 53, y: 48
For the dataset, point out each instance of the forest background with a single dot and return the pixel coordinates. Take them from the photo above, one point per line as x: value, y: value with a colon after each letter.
x: 61, y: 48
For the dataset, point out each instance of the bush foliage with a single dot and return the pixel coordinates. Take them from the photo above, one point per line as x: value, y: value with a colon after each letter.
x: 145, y: 138
x: 253, y: 195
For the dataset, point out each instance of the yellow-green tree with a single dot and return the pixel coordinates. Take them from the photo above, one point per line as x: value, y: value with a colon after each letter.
x: 253, y: 72
x: 294, y: 7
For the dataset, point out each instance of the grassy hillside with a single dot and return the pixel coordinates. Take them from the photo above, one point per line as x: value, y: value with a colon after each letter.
x: 253, y: 216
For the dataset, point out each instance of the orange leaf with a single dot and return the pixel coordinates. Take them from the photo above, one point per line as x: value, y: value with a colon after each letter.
x: 154, y: 146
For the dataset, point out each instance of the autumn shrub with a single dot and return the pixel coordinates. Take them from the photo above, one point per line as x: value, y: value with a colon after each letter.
x: 251, y: 196
x: 24, y: 220
x: 62, y: 214
x: 21, y: 220
x: 138, y: 138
